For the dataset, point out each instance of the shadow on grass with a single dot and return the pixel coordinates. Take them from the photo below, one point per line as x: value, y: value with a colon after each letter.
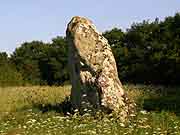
x: 163, y: 103
x: 64, y: 107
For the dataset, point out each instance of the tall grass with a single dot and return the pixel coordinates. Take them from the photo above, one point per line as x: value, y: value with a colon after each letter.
x: 37, y: 110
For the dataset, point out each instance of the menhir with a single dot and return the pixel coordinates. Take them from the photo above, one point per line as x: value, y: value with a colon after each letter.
x: 93, y: 71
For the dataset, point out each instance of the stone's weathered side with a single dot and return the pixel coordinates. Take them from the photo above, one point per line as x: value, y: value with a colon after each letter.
x: 93, y: 70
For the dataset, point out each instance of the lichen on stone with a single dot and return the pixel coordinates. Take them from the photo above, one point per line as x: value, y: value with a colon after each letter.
x: 93, y: 70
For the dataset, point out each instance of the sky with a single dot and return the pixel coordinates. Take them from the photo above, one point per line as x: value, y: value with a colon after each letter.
x: 27, y: 20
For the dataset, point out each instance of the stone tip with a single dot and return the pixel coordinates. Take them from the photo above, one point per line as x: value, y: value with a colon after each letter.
x: 80, y: 19
x: 77, y: 21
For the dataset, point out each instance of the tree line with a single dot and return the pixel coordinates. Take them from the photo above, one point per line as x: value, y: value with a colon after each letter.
x: 147, y: 52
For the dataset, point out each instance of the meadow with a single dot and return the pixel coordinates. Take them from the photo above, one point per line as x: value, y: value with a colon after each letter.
x: 43, y: 110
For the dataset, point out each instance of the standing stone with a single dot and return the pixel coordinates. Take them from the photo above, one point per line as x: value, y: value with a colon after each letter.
x: 93, y: 70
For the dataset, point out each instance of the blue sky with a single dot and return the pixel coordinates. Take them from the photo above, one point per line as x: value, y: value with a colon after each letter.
x: 27, y: 20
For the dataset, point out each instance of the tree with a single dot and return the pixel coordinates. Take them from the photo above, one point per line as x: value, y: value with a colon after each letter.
x: 26, y: 60
x: 148, y: 52
x: 42, y: 63
x: 8, y: 73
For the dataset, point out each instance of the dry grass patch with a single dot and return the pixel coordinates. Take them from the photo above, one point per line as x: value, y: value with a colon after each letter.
x: 19, y: 115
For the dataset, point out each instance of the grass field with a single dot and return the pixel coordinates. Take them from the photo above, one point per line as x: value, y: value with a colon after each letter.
x: 40, y: 111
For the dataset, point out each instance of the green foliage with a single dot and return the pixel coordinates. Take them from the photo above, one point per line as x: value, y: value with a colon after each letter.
x: 41, y: 63
x: 149, y: 52
x: 20, y: 113
x: 8, y: 73
x: 26, y: 60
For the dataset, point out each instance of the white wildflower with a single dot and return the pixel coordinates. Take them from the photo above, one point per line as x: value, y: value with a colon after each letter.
x: 122, y: 125
x: 143, y: 112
